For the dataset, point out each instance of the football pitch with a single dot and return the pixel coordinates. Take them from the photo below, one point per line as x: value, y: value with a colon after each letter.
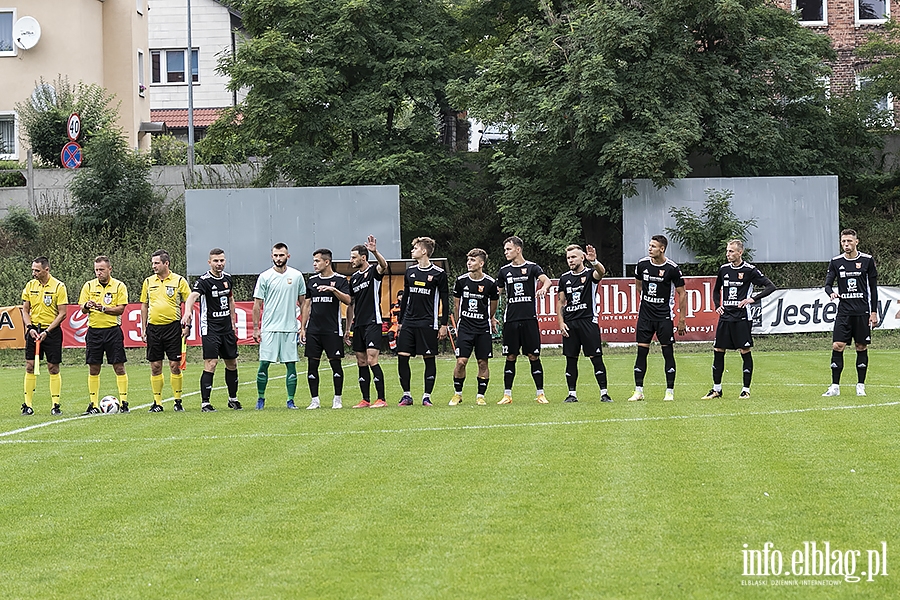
x: 692, y: 498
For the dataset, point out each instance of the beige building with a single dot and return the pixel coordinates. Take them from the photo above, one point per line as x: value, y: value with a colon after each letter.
x: 94, y: 41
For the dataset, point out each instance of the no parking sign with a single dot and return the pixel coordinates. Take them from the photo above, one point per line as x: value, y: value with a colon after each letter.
x: 71, y: 155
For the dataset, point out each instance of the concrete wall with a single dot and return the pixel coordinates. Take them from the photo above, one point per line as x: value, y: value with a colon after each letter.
x: 48, y: 193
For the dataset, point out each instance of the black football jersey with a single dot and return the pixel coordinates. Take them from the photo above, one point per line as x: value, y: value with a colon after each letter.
x: 365, y: 289
x: 423, y: 290
x: 325, y: 311
x: 475, y: 297
x: 658, y: 283
x: 857, y: 283
x: 519, y: 283
x: 734, y: 284
x: 580, y: 292
x: 215, y: 297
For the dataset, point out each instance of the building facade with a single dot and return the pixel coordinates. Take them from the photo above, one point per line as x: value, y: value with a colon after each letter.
x: 91, y: 41
x: 216, y: 30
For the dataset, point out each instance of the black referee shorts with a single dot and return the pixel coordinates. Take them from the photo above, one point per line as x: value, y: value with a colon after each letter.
x: 107, y: 340
x: 164, y: 339
x: 51, y: 347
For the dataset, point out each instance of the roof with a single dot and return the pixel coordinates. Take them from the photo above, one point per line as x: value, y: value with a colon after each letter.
x: 177, y: 118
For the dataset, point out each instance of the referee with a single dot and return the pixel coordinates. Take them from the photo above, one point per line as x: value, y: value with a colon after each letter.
x: 161, y: 297
x: 104, y: 300
x: 44, y: 302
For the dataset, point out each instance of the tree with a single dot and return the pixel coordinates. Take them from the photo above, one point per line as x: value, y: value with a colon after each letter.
x: 707, y: 234
x: 604, y: 92
x: 115, y: 193
x: 45, y: 114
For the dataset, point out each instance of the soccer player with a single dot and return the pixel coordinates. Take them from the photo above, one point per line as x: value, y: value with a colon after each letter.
x: 738, y: 278
x: 215, y: 290
x: 421, y: 326
x: 365, y: 320
x: 321, y: 329
x: 577, y: 317
x: 518, y: 280
x: 656, y: 275
x: 476, y: 302
x: 279, y: 290
x: 104, y: 300
x: 44, y: 301
x: 162, y: 295
x: 857, y: 287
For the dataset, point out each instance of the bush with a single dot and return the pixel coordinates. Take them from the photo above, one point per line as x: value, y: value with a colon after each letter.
x: 11, y: 177
x: 168, y: 150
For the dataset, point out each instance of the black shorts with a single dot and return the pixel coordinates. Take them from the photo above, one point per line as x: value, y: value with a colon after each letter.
x: 852, y: 327
x: 481, y: 343
x: 367, y: 337
x: 664, y: 331
x: 51, y: 347
x: 109, y: 341
x: 164, y: 340
x: 220, y: 345
x: 583, y: 334
x: 522, y: 335
x: 417, y: 340
x: 733, y: 335
x: 332, y: 344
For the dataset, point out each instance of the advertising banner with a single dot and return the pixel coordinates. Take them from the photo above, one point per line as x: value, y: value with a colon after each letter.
x: 12, y: 331
x: 617, y: 304
x: 808, y: 310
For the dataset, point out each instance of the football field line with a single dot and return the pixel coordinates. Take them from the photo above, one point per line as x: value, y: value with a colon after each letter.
x: 450, y: 428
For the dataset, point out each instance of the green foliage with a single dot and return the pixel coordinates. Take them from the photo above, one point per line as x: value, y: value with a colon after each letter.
x: 71, y: 250
x: 605, y: 92
x: 707, y: 234
x: 45, y: 114
x: 11, y: 177
x: 168, y: 150
x: 114, y: 193
x: 20, y: 224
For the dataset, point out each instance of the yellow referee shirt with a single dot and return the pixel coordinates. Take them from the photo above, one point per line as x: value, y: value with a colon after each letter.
x: 164, y: 297
x: 45, y: 300
x: 112, y: 294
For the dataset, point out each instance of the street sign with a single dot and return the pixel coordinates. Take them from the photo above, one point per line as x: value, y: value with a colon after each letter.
x: 73, y: 127
x: 71, y: 155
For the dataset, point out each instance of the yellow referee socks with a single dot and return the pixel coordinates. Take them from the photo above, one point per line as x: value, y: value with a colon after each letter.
x: 55, y: 388
x: 93, y: 388
x: 30, y: 383
x: 177, y: 382
x: 156, y: 384
x: 122, y: 385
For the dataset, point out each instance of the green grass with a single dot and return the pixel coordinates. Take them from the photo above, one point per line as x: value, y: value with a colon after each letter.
x: 637, y: 500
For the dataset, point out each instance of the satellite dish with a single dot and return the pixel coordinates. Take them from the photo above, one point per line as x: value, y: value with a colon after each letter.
x: 27, y: 33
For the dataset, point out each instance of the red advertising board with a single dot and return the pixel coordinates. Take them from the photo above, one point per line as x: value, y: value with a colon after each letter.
x: 618, y: 310
x: 76, y: 324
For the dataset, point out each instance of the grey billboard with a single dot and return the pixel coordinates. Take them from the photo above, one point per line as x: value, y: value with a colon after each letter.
x: 247, y: 222
x: 796, y: 217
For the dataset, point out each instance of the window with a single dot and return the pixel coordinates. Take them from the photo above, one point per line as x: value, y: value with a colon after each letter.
x: 812, y: 12
x: 9, y: 136
x: 141, y: 86
x: 884, y: 105
x: 167, y: 66
x: 872, y: 12
x: 7, y: 18
x: 139, y: 6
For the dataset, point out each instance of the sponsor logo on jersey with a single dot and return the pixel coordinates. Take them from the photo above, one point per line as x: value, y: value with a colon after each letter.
x: 419, y: 283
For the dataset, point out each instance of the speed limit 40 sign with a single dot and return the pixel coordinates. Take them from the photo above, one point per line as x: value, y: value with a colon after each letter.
x: 73, y: 127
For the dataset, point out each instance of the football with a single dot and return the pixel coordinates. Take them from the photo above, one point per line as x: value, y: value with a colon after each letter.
x: 109, y: 405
